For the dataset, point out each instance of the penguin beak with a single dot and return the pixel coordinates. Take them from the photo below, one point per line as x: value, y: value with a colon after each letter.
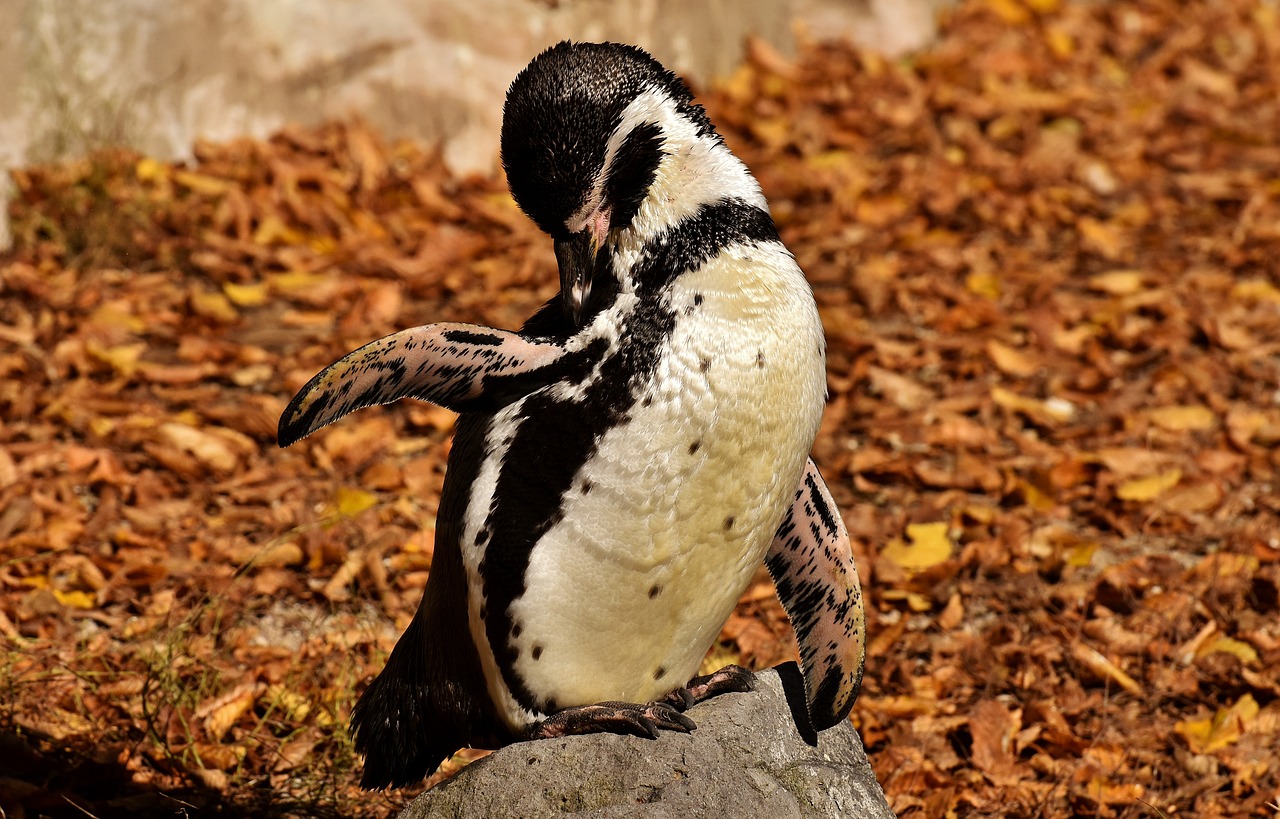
x: 578, y: 256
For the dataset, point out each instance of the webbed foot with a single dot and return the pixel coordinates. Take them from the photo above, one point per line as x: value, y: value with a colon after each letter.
x: 730, y: 679
x: 612, y: 718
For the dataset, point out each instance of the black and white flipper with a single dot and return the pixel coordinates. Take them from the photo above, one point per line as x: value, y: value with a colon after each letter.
x: 461, y: 367
x: 812, y: 566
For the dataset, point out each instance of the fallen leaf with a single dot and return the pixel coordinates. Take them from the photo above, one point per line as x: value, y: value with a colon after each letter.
x: 928, y: 544
x: 1150, y: 487
x: 1181, y: 419
x: 1225, y: 728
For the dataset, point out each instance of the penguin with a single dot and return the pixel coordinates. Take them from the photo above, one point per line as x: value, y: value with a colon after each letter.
x: 624, y: 462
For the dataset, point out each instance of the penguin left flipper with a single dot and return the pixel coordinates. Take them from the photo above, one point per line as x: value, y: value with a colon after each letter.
x: 812, y: 566
x: 461, y: 367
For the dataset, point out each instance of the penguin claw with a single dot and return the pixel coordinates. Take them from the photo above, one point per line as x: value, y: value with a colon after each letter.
x: 612, y: 718
x: 681, y: 699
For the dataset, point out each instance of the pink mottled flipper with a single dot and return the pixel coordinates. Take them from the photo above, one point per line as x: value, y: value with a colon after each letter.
x: 461, y: 367
x: 812, y: 566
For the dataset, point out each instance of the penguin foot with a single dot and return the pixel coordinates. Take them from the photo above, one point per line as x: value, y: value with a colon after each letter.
x: 727, y: 680
x: 612, y: 718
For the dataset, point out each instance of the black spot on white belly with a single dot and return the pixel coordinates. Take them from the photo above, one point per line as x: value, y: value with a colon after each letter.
x: 659, y: 673
x: 537, y: 652
x: 515, y: 630
x: 760, y: 359
x: 728, y: 523
x: 654, y: 591
x: 697, y: 299
x: 693, y: 447
x: 704, y: 364
x: 586, y: 487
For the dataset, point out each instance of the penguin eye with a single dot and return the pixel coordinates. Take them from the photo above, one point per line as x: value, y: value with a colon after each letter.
x: 632, y: 172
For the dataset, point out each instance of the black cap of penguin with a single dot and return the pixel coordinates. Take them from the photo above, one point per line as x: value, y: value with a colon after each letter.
x: 560, y: 114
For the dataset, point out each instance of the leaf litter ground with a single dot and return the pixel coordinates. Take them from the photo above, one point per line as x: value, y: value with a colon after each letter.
x: 1047, y: 255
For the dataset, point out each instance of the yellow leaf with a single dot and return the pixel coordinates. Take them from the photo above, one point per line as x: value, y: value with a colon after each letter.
x: 1150, y: 487
x: 1009, y: 11
x: 214, y: 305
x: 1117, y: 282
x: 929, y: 545
x: 123, y: 358
x: 1183, y: 418
x: 75, y: 599
x: 718, y: 656
x: 271, y: 230
x: 1035, y: 497
x: 1227, y: 645
x: 1081, y: 554
x: 986, y: 284
x: 351, y: 502
x: 150, y: 170
x: 246, y: 295
x: 295, y: 705
x: 1060, y: 43
x: 915, y: 601
x: 208, y: 185
x: 1256, y: 290
x: 1205, y: 736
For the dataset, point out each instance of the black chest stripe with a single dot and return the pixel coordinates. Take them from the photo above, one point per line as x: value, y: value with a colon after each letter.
x: 555, y: 438
x: 697, y: 239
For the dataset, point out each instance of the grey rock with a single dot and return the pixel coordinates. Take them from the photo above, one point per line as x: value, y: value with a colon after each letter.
x: 748, y: 758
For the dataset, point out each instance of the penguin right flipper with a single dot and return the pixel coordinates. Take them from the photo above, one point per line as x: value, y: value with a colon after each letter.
x: 812, y: 566
x: 461, y: 367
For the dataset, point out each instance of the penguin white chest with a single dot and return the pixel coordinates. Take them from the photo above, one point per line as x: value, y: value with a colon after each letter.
x: 667, y: 522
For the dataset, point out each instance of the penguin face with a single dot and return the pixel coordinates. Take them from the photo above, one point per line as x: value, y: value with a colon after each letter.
x: 581, y: 155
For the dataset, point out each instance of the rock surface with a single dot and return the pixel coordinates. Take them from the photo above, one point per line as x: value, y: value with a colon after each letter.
x: 748, y: 758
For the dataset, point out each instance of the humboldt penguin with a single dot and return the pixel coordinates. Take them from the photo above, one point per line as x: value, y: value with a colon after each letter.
x: 624, y: 462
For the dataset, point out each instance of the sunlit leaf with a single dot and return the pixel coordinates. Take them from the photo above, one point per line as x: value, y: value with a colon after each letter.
x: 1150, y: 487
x: 1183, y: 418
x: 350, y: 501
x: 1225, y: 728
x: 927, y: 544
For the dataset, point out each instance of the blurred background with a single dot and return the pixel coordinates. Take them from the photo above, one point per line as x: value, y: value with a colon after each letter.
x: 157, y: 76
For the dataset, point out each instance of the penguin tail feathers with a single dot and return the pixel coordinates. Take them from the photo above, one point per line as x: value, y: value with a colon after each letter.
x: 406, y: 722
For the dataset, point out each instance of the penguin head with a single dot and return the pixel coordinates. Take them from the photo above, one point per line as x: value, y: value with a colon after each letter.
x: 585, y: 129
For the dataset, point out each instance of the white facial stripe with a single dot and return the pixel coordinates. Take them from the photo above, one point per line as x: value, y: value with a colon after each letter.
x: 696, y: 170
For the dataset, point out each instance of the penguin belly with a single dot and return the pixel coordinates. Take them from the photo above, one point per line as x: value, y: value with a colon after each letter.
x: 667, y: 522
